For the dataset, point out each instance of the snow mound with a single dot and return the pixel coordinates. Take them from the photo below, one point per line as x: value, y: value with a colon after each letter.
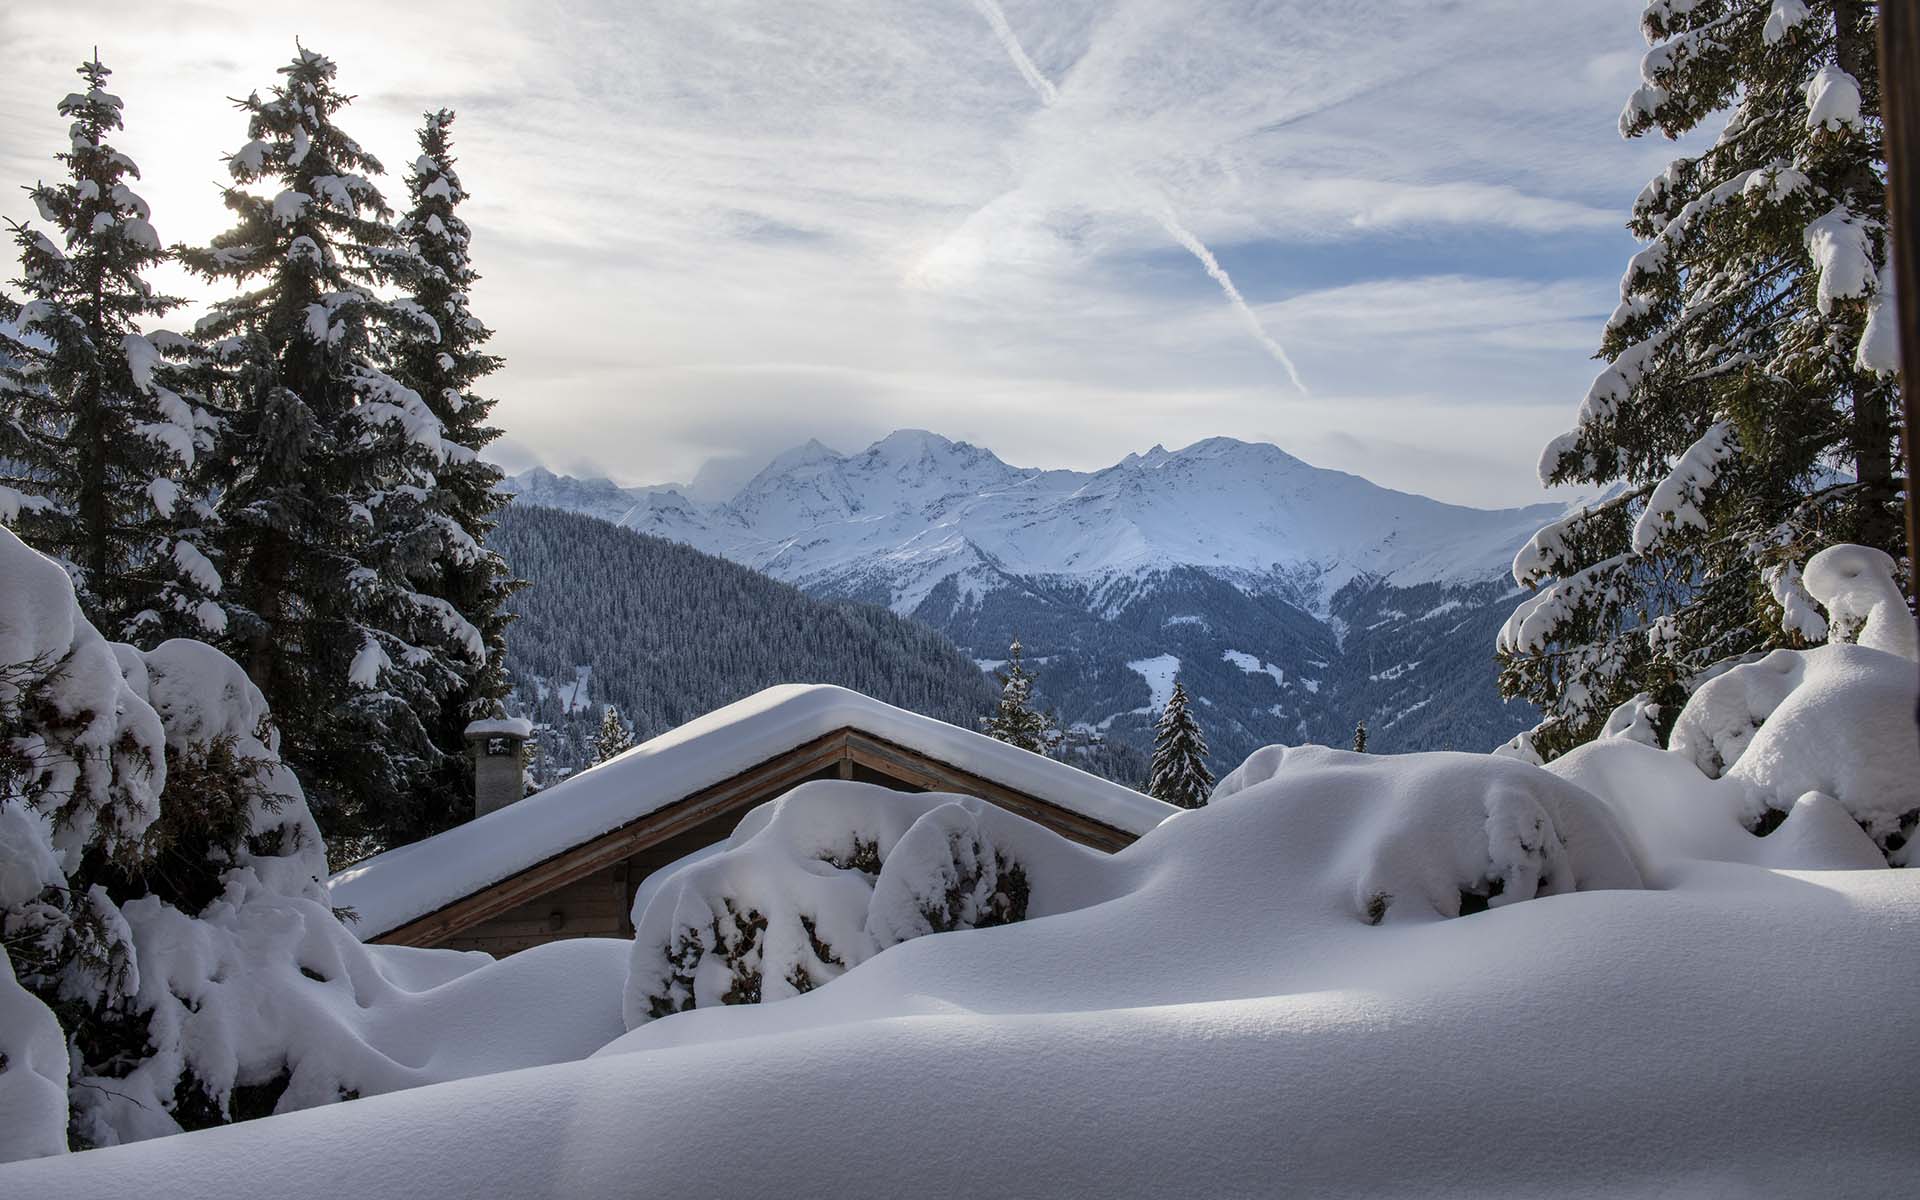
x: 1845, y: 731
x: 822, y: 879
x: 262, y: 988
x: 33, y: 1072
x: 1802, y: 759
x: 1855, y: 585
x: 1443, y: 834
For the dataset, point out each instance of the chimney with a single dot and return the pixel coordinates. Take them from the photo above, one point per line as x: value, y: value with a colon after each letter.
x: 499, y: 778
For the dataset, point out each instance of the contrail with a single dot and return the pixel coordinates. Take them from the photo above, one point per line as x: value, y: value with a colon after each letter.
x: 1199, y: 250
x: 996, y: 18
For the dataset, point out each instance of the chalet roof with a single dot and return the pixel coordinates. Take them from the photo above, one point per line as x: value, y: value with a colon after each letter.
x: 395, y: 887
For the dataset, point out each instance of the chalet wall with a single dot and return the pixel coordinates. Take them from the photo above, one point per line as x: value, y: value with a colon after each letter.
x: 593, y: 906
x: 601, y: 904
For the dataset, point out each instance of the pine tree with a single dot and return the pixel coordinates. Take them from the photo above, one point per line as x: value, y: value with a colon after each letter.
x: 324, y: 458
x: 1360, y: 737
x: 1015, y: 721
x: 440, y: 358
x: 100, y: 425
x: 1745, y: 418
x: 1179, y: 773
x: 615, y: 738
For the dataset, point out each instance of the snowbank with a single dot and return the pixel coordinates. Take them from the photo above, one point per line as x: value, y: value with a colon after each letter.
x: 1217, y: 1016
x: 263, y: 988
x: 393, y: 888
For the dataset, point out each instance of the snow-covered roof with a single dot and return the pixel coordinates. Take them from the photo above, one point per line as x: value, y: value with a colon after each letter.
x: 407, y: 882
x: 518, y: 727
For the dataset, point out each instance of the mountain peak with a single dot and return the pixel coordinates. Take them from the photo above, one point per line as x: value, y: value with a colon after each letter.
x: 1230, y: 447
x: 905, y: 442
x: 813, y: 450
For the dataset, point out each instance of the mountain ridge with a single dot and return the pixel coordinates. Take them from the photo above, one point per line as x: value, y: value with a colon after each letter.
x: 813, y: 516
x: 1219, y: 553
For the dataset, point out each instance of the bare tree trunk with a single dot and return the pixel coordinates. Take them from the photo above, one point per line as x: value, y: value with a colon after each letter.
x: 1873, y: 422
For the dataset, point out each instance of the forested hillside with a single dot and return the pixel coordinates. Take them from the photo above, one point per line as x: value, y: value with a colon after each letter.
x: 666, y: 633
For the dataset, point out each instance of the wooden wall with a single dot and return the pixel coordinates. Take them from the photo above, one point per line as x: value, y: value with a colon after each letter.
x: 601, y: 904
x: 594, y: 906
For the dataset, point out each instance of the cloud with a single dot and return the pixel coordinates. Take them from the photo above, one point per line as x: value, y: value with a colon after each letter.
x: 717, y: 229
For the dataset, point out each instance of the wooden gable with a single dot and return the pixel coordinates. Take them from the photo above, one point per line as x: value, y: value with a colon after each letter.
x: 588, y: 889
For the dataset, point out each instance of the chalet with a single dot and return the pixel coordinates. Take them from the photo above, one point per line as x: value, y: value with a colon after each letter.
x: 566, y: 862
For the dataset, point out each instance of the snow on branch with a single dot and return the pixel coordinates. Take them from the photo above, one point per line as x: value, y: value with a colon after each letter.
x: 1833, y: 101
x: 1841, y: 243
x: 1675, y: 502
x: 1531, y: 625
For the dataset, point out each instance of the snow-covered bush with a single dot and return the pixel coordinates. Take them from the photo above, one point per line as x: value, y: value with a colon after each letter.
x: 1829, y: 728
x: 127, y: 779
x: 823, y: 878
x: 1446, y: 834
x: 1799, y: 758
x: 160, y: 894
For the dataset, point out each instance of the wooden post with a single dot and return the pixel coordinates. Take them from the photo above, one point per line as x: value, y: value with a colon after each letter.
x: 1900, y: 110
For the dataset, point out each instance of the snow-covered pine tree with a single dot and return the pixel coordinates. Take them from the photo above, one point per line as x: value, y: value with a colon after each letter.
x: 1179, y: 773
x: 1015, y: 720
x: 440, y: 358
x: 1745, y: 417
x: 325, y: 455
x: 615, y: 738
x: 1360, y: 737
x: 100, y: 425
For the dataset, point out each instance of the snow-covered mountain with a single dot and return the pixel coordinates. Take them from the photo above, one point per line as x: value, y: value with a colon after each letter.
x: 1293, y: 600
x: 600, y: 498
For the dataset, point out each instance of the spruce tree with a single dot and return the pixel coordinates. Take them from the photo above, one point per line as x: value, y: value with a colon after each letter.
x: 99, y: 424
x: 1360, y: 737
x: 325, y: 455
x: 440, y: 357
x: 1179, y: 773
x: 614, y: 739
x: 1015, y: 720
x: 1745, y: 417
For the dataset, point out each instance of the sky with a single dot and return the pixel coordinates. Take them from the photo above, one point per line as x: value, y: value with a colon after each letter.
x: 1382, y: 234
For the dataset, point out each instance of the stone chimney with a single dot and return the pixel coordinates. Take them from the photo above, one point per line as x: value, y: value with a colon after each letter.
x: 499, y: 777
